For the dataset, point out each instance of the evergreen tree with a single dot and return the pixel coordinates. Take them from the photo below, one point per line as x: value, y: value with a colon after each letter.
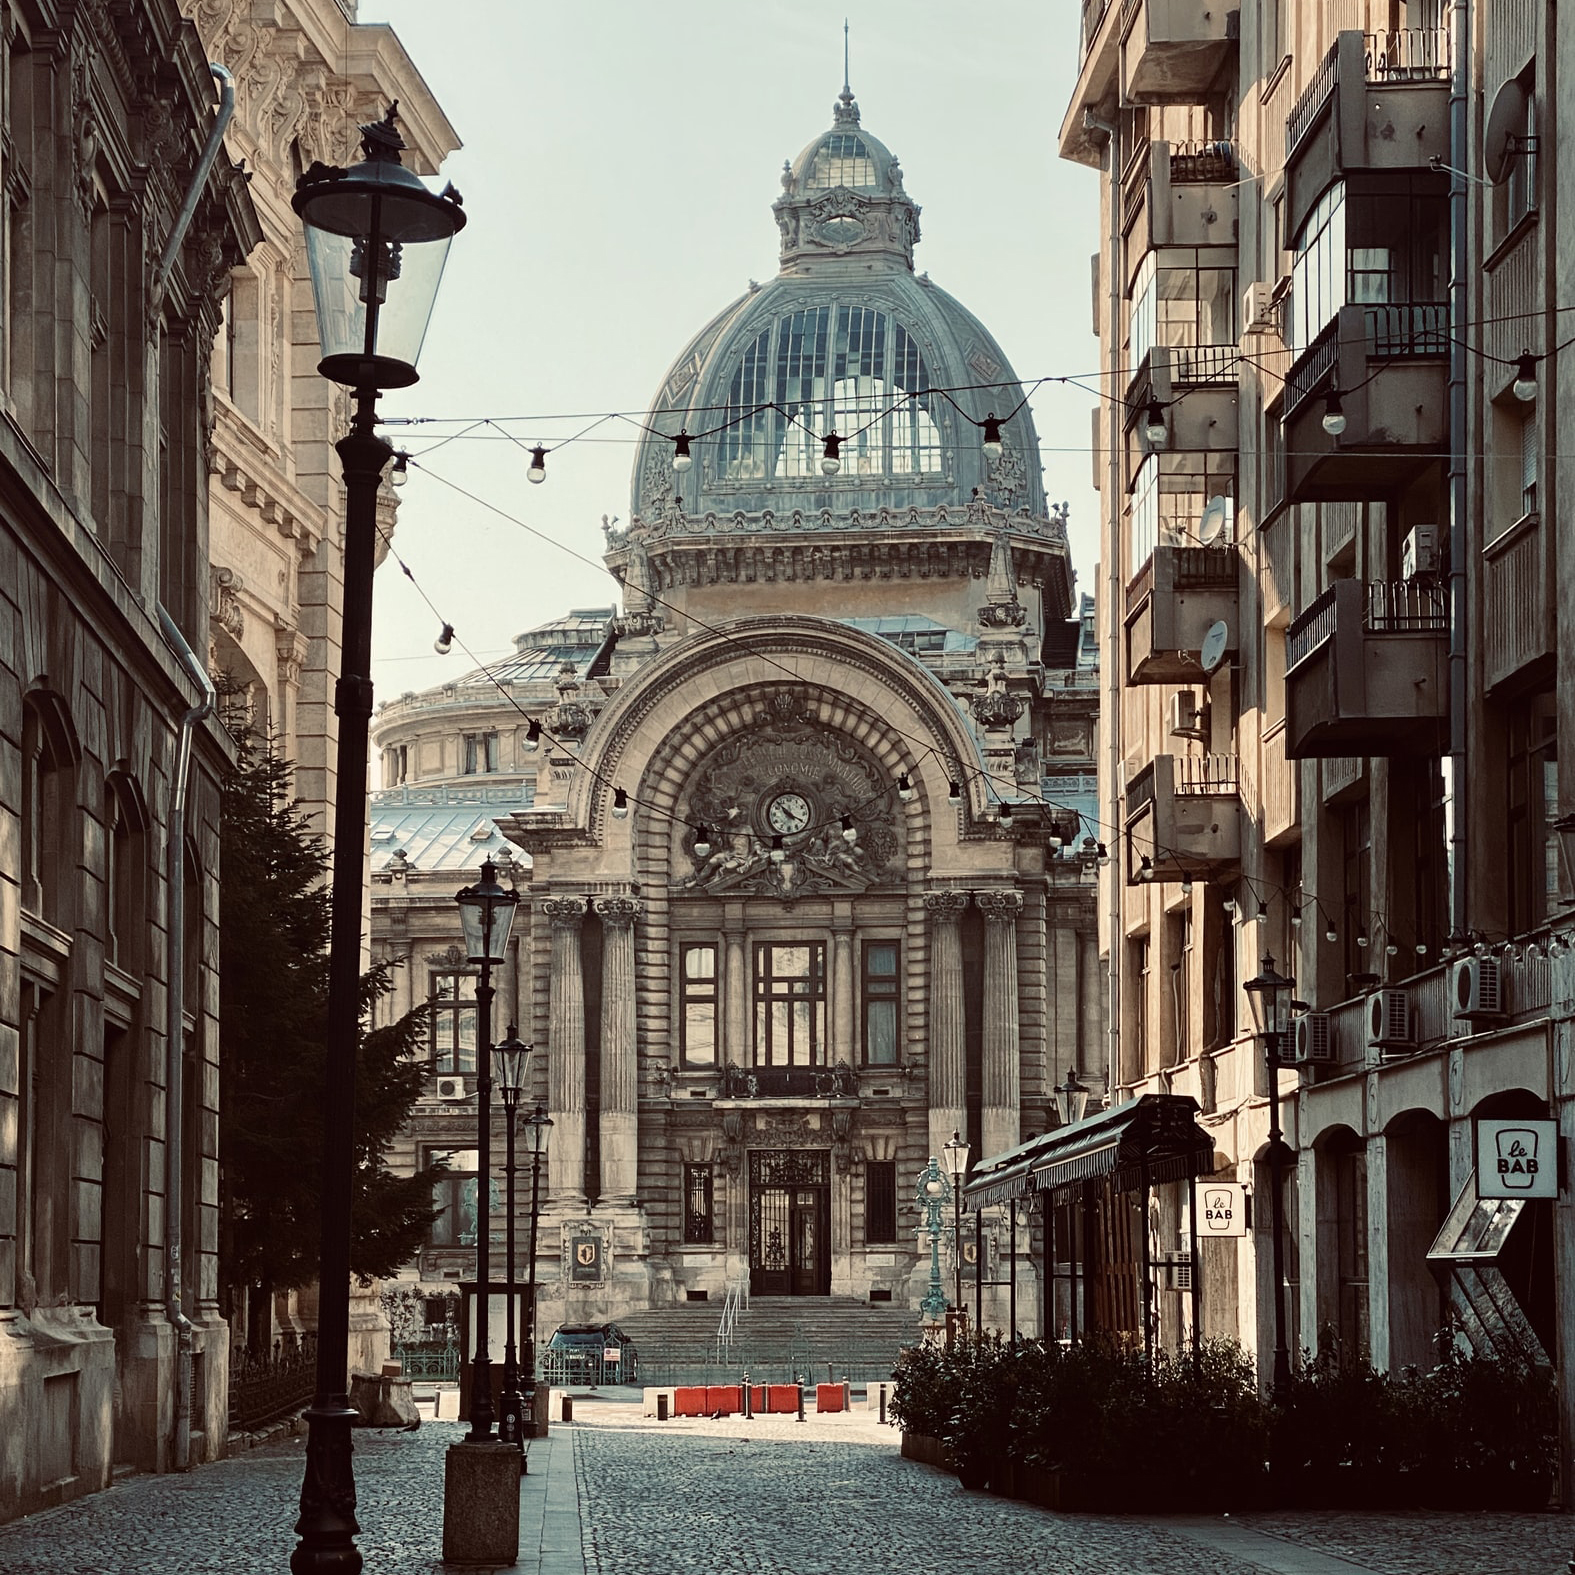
x: 273, y: 994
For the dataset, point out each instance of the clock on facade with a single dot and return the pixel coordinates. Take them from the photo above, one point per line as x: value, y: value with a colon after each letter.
x: 788, y: 813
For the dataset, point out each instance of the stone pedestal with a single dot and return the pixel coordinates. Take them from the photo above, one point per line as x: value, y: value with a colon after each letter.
x: 481, y: 1504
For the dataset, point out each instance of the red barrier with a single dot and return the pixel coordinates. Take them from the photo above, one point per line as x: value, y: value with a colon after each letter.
x: 782, y: 1398
x: 726, y: 1398
x: 828, y: 1397
x: 689, y: 1402
x: 757, y: 1399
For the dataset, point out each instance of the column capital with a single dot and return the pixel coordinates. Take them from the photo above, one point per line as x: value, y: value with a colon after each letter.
x: 999, y: 907
x: 618, y: 913
x: 945, y: 905
x: 564, y: 913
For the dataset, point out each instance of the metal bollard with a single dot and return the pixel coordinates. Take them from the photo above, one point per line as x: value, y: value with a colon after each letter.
x: 661, y: 1408
x: 882, y: 1390
x: 801, y: 1402
x: 568, y: 1408
x: 749, y: 1399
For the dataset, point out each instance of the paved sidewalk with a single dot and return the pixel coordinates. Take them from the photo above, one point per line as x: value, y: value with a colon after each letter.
x: 617, y: 1493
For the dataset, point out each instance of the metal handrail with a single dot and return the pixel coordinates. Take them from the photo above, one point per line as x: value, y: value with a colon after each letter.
x: 1313, y: 98
x: 1310, y: 629
x: 1409, y: 54
x: 734, y: 1304
x: 1196, y: 163
x: 1205, y: 776
x: 1406, y: 607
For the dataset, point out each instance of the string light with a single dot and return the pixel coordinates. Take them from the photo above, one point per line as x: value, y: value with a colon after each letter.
x: 401, y: 471
x: 1186, y: 885
x: 1525, y: 384
x: 778, y: 851
x: 1145, y: 868
x: 831, y: 455
x: 992, y: 443
x: 1333, y: 413
x: 1102, y: 853
x: 850, y: 832
x: 1330, y: 936
x: 445, y: 641
x: 1005, y: 814
x: 1230, y: 908
x: 904, y: 787
x: 1154, y: 428
x: 1361, y: 939
x: 954, y: 791
x: 538, y: 466
x: 682, y: 458
x: 620, y: 804
x: 702, y: 842
x: 532, y: 737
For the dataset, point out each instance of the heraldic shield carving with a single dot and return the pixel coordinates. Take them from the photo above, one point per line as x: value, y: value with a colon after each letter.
x: 792, y: 778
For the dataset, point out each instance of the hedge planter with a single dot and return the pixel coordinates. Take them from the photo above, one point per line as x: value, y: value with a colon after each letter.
x: 927, y: 1451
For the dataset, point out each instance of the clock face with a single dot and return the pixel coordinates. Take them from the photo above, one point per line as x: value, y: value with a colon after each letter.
x: 788, y: 813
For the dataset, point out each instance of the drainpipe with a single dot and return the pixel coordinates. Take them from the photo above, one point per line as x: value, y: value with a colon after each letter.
x: 188, y: 207
x: 174, y: 1041
x: 1112, y: 605
x: 1459, y: 501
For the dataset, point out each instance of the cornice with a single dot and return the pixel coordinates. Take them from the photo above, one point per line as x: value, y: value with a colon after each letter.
x: 245, y: 463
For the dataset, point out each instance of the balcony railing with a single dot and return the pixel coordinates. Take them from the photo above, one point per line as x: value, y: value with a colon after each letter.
x: 1400, y: 331
x: 1314, y: 96
x: 1312, y: 366
x: 1410, y: 54
x: 1310, y: 629
x: 1140, y: 790
x: 1390, y: 607
x: 1197, y: 163
x: 790, y: 1082
x: 1206, y: 776
x: 1093, y: 15
x: 1203, y: 363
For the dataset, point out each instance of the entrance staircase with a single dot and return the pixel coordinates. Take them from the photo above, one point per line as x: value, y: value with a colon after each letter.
x: 774, y: 1339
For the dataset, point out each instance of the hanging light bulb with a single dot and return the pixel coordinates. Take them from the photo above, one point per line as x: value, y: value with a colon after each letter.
x: 1525, y: 384
x: 1329, y: 935
x: 445, y: 641
x: 1391, y: 950
x: 1005, y: 815
x: 992, y: 443
x: 954, y: 792
x: 1230, y: 907
x: 1361, y: 939
x: 702, y: 842
x: 401, y: 471
x: 778, y: 851
x: 1296, y: 918
x: 831, y: 455
x: 1262, y: 915
x: 682, y: 458
x: 850, y: 832
x: 1186, y: 885
x: 1145, y: 868
x: 1421, y: 948
x: 904, y: 787
x: 1333, y: 413
x: 620, y: 807
x: 538, y: 465
x: 533, y: 737
x: 1154, y: 428
x: 1102, y: 853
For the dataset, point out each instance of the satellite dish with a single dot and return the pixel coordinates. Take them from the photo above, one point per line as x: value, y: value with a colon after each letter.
x: 1214, y: 645
x: 1216, y: 515
x: 1505, y: 123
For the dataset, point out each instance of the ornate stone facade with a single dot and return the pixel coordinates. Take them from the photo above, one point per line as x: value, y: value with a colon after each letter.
x: 781, y: 933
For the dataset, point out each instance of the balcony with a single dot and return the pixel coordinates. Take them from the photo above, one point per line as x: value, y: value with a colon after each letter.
x: 1100, y: 54
x: 1391, y: 365
x: 1171, y: 603
x: 1184, y: 816
x: 1378, y: 101
x: 1181, y: 194
x: 1366, y: 672
x: 1172, y: 50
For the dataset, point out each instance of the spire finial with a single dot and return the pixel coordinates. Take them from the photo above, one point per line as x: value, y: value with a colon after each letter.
x: 846, y: 76
x: 845, y: 112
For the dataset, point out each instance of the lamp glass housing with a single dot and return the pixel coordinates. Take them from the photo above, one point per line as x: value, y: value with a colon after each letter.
x: 538, y: 1131
x: 377, y: 241
x: 954, y: 1156
x: 486, y: 915
x: 1071, y: 1098
x: 1269, y: 995
x: 510, y: 1060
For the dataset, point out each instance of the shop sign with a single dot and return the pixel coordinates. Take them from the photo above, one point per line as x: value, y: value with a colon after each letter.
x: 1222, y: 1209
x: 1517, y: 1158
x: 585, y: 1259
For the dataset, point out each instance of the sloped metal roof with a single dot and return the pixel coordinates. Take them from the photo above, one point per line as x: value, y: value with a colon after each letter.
x: 453, y: 834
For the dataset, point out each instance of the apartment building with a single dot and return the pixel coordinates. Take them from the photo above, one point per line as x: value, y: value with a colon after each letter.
x: 1328, y: 296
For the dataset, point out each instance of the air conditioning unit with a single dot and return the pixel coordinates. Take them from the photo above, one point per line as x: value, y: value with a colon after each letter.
x: 1314, y: 1044
x: 1186, y: 715
x: 451, y: 1088
x: 1419, y: 553
x: 1260, y: 313
x: 1478, y: 989
x: 1388, y: 1021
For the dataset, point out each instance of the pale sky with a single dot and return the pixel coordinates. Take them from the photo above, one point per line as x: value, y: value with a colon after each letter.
x: 620, y: 160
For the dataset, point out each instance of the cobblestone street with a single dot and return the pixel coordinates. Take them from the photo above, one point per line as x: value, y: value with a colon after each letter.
x: 616, y: 1494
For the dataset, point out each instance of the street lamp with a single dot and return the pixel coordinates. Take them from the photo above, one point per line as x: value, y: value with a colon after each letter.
x: 376, y: 242
x: 486, y: 914
x: 931, y: 1197
x: 1270, y: 997
x: 954, y: 1155
x: 511, y: 1058
x: 1071, y: 1098
x: 538, y: 1128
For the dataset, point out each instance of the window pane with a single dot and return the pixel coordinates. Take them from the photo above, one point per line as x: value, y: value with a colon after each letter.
x: 700, y: 1033
x: 881, y: 959
x: 700, y: 962
x: 882, y: 1032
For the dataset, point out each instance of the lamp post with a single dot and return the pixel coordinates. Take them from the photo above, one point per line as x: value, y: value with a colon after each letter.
x: 376, y: 243
x: 1270, y: 996
x: 1071, y: 1098
x: 954, y: 1155
x: 486, y: 915
x: 511, y: 1058
x: 931, y: 1198
x: 539, y: 1128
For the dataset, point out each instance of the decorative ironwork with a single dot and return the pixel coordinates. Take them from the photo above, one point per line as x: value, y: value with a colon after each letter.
x: 437, y: 1359
x: 786, y: 1167
x: 790, y: 1082
x: 267, y: 1386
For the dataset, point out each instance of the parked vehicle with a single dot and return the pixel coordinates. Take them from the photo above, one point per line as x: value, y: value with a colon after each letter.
x: 577, y: 1353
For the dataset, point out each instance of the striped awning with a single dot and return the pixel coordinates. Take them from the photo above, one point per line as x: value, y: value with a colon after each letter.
x: 1146, y: 1141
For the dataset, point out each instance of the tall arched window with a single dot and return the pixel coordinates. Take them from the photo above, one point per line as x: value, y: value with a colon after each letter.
x: 48, y: 798
x: 125, y: 868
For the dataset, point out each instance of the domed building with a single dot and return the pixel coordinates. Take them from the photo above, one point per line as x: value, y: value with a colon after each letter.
x: 805, y: 845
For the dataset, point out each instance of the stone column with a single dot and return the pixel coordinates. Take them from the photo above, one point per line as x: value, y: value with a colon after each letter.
x: 1001, y: 1104
x: 948, y: 1070
x: 620, y: 1097
x: 566, y: 1052
x: 735, y: 982
x: 844, y: 1032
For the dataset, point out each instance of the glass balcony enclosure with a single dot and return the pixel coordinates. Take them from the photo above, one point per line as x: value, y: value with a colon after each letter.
x: 1184, y: 300
x: 1169, y: 498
